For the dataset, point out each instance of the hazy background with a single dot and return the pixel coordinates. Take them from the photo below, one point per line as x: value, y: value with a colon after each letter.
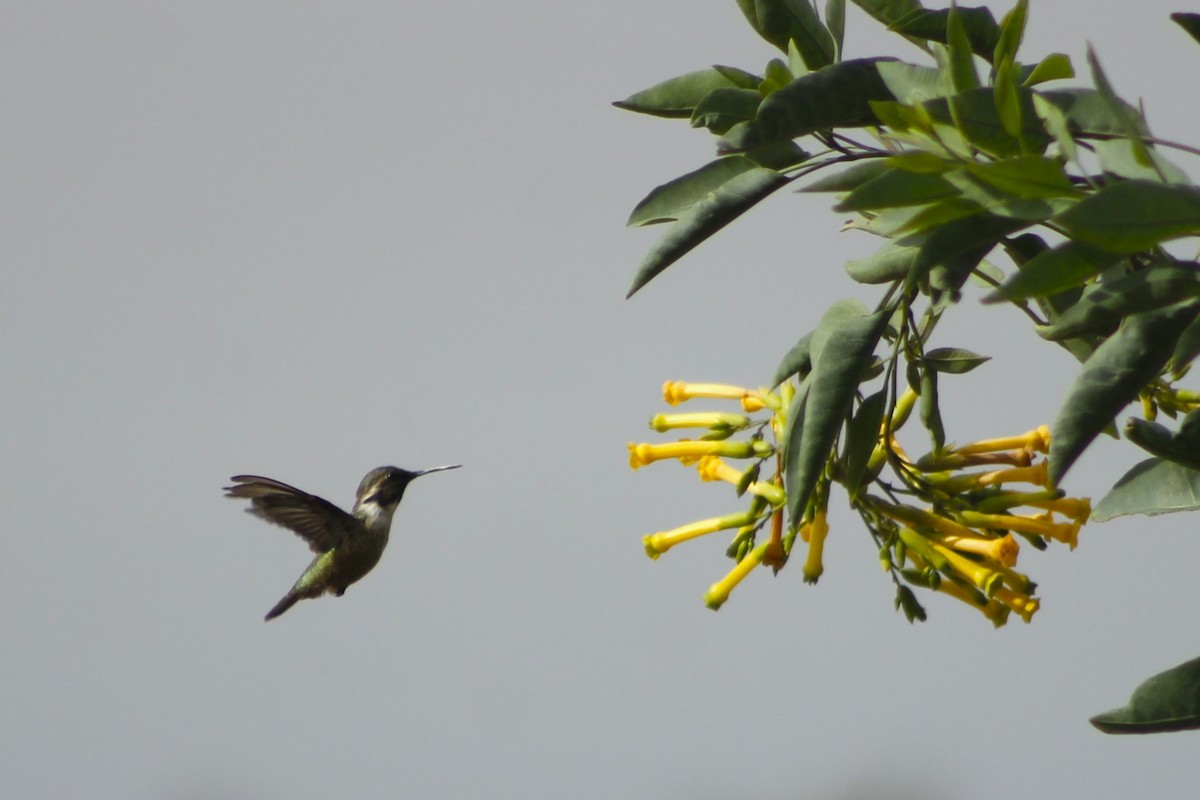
x: 307, y: 239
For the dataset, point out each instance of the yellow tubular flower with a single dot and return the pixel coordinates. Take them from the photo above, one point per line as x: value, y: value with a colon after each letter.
x: 1003, y: 550
x: 689, y: 451
x: 1077, y: 508
x: 1023, y: 604
x: 718, y: 593
x: 927, y: 519
x: 712, y: 468
x: 1037, y: 440
x: 1067, y: 532
x: 1037, y: 475
x: 817, y: 530
x: 704, y: 419
x: 995, y: 611
x: 659, y: 543
x: 676, y: 392
x: 953, y: 460
x: 986, y: 579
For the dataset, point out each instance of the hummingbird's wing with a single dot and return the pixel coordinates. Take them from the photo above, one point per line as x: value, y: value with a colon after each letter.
x: 319, y: 522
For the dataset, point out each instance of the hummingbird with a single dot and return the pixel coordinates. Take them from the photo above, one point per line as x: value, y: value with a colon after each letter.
x: 347, y: 545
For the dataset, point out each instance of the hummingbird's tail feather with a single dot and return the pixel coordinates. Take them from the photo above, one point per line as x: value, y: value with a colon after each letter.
x: 290, y: 599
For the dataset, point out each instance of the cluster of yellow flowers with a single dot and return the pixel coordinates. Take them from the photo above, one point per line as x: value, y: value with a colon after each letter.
x: 963, y: 544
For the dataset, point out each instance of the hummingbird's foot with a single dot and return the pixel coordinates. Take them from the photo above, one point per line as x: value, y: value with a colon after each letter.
x: 340, y: 592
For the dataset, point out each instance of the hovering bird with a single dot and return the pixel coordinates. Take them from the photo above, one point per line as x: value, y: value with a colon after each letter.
x: 347, y: 545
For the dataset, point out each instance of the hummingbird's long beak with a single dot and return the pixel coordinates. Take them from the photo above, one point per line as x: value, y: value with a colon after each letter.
x: 435, y: 469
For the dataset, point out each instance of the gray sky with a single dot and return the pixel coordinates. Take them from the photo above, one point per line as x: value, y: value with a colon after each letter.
x: 304, y: 240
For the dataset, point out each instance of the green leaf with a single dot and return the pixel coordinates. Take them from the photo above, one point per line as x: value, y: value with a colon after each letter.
x: 910, y: 83
x: 1104, y: 305
x: 1054, y: 67
x: 978, y: 26
x: 666, y: 203
x: 953, y: 360
x: 1025, y: 177
x: 890, y: 263
x: 835, y: 21
x: 1129, y: 216
x: 1189, y: 22
x: 1154, y: 486
x: 1168, y: 701
x: 862, y: 434
x: 954, y: 248
x: 1187, y: 348
x: 889, y: 11
x: 842, y: 350
x: 1119, y: 110
x: 1012, y: 30
x: 837, y: 96
x: 797, y: 361
x: 1111, y: 379
x: 678, y: 96
x: 958, y: 42
x: 776, y: 76
x: 784, y: 21
x: 895, y: 189
x: 975, y: 115
x: 1053, y: 271
x: 1119, y: 157
x: 1089, y: 114
x: 721, y: 109
x: 1159, y: 440
x: 716, y: 209
x: 850, y: 178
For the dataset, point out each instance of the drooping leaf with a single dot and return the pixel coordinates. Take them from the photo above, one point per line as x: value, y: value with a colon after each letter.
x: 677, y: 97
x: 1187, y: 348
x: 1168, y: 701
x: 953, y: 360
x: 897, y: 188
x: 1089, y: 114
x: 1104, y: 305
x: 781, y: 22
x: 1025, y: 177
x: 890, y: 263
x: 954, y: 248
x: 889, y: 12
x: 842, y: 350
x: 721, y: 109
x: 1111, y: 379
x: 978, y: 25
x: 1159, y: 440
x: 667, y: 202
x: 862, y: 435
x: 1129, y: 216
x: 708, y: 215
x: 850, y: 178
x: 1129, y: 125
x: 837, y: 96
x: 1151, y: 487
x: 1053, y: 271
x: 911, y: 84
x: 797, y: 361
x: 1189, y: 22
x: 835, y: 21
x: 1118, y: 157
x: 975, y: 115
